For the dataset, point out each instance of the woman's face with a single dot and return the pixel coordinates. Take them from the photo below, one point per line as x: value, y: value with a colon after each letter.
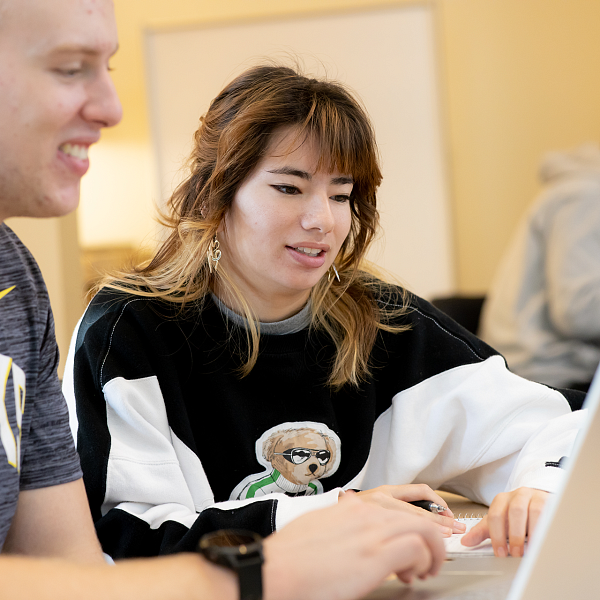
x: 285, y: 227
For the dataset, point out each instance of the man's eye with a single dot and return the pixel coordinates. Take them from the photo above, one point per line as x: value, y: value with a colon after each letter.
x: 289, y: 190
x: 69, y: 72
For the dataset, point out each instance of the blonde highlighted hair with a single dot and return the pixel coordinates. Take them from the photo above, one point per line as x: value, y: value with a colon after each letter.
x: 232, y: 138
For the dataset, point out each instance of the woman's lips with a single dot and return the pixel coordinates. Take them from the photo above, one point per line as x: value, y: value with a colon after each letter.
x: 308, y: 256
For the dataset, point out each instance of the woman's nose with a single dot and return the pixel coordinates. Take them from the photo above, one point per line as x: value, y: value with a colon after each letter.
x: 318, y: 214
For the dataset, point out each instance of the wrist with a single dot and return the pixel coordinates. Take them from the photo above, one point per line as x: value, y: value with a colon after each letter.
x: 275, y: 581
x: 203, y: 579
x: 184, y: 576
x: 281, y: 580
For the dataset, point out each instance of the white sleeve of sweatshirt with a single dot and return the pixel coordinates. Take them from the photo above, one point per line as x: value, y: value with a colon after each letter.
x: 476, y: 430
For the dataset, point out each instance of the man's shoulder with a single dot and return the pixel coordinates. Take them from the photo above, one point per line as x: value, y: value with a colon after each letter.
x: 17, y: 261
x: 10, y: 241
x: 24, y: 301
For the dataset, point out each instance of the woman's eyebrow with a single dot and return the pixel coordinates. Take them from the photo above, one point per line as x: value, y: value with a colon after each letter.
x: 292, y: 171
x: 341, y: 180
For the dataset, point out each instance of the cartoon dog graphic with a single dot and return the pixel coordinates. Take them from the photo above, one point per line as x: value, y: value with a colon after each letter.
x: 296, y: 456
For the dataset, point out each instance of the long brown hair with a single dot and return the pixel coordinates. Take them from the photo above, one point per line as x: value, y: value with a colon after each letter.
x: 232, y: 138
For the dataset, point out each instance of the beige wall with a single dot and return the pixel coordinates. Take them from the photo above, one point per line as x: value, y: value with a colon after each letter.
x: 133, y: 16
x: 523, y: 77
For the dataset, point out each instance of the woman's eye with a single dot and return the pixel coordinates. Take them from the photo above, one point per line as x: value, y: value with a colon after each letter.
x: 289, y: 190
x: 341, y: 198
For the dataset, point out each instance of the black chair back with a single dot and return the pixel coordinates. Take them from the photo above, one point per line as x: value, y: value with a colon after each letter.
x: 465, y: 310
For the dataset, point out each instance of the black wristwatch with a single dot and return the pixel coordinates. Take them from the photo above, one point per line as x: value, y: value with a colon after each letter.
x: 240, y: 551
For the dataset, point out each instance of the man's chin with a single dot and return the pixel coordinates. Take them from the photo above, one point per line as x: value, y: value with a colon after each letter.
x: 58, y: 204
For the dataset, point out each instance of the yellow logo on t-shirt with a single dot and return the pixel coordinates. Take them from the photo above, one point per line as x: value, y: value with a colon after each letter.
x: 6, y: 291
x: 10, y: 436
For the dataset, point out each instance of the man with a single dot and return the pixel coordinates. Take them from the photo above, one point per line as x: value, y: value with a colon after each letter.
x: 542, y: 309
x: 55, y: 97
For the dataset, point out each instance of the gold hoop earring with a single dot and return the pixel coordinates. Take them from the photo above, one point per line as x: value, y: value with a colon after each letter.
x: 329, y: 275
x: 213, y: 255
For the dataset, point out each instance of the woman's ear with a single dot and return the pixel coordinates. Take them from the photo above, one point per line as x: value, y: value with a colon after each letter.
x: 222, y: 228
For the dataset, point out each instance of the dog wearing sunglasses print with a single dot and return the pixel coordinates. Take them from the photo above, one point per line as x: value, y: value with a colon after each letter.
x: 295, y: 456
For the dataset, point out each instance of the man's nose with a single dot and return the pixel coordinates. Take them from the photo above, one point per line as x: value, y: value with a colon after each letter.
x: 103, y: 105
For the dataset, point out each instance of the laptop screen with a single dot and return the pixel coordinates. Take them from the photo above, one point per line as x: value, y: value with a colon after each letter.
x: 562, y: 558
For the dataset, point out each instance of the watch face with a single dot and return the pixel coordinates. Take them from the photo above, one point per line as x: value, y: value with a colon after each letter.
x: 231, y: 547
x: 229, y: 538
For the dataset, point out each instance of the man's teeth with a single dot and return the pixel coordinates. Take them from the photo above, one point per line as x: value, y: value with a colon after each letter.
x: 80, y: 152
x: 309, y: 251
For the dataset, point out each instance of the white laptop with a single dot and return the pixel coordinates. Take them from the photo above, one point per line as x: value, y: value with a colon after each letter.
x: 562, y: 561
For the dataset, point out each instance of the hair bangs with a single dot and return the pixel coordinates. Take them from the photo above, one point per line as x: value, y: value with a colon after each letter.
x: 344, y: 138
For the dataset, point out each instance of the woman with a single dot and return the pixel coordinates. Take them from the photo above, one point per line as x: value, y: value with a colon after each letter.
x: 253, y: 369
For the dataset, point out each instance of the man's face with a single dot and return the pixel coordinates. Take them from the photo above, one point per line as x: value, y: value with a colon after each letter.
x: 55, y: 97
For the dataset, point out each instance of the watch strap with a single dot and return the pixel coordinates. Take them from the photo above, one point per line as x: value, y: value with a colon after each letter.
x: 250, y: 575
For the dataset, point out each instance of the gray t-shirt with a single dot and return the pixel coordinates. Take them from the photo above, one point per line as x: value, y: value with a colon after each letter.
x: 36, y: 447
x: 293, y: 324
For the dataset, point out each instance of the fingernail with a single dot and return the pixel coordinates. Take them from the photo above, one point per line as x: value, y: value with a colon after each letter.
x: 460, y: 525
x: 515, y: 551
x: 501, y: 551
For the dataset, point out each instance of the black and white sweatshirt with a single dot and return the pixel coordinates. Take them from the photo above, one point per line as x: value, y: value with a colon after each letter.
x: 173, y: 443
